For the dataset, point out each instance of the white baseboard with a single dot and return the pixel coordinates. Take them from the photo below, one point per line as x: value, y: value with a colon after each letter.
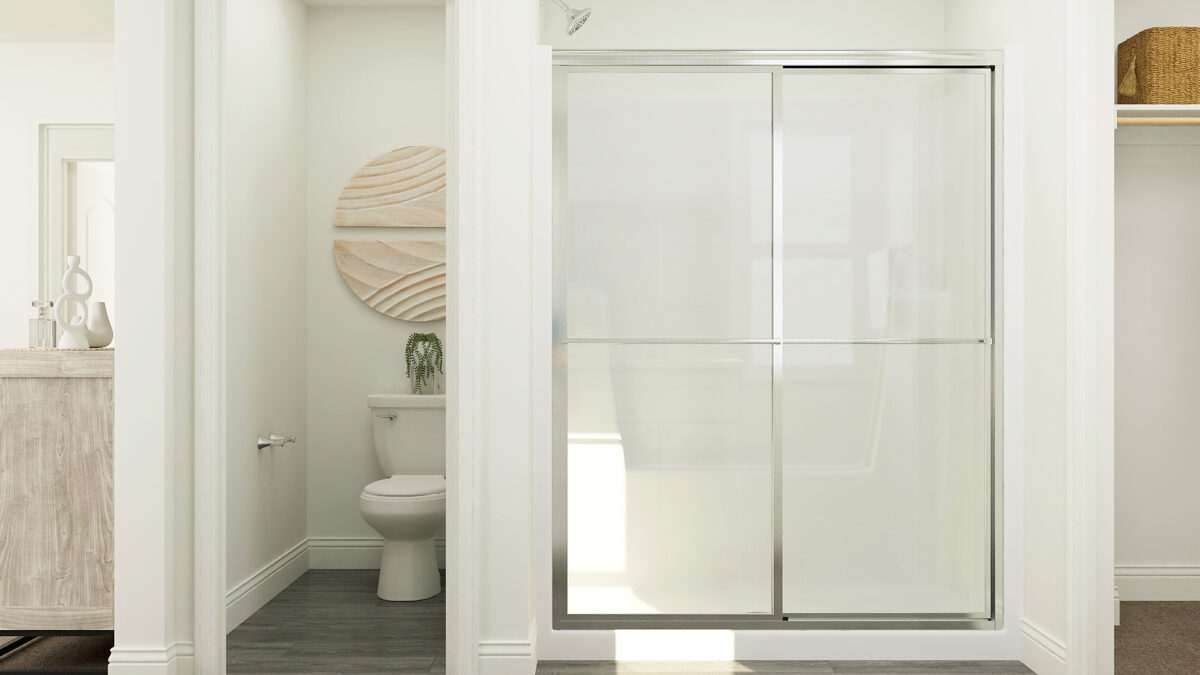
x: 256, y: 590
x: 176, y: 659
x: 314, y: 553
x: 509, y: 657
x: 355, y: 553
x: 1158, y: 582
x: 1041, y: 652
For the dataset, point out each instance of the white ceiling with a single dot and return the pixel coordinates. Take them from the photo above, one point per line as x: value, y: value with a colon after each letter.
x: 56, y: 20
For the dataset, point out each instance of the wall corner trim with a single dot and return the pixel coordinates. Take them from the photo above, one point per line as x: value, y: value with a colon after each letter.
x: 174, y: 659
x: 1043, y: 653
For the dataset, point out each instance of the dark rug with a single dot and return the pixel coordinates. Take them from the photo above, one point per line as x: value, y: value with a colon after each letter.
x: 58, y: 654
x: 1159, y: 638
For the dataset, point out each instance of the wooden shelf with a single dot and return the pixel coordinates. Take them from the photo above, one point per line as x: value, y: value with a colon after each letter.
x: 1157, y: 115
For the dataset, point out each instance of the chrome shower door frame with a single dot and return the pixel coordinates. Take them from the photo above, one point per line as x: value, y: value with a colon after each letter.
x: 776, y: 63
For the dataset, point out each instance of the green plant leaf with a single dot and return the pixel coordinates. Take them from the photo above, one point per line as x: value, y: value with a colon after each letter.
x: 423, y: 360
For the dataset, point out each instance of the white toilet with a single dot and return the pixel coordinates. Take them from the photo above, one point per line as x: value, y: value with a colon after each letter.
x: 409, y: 507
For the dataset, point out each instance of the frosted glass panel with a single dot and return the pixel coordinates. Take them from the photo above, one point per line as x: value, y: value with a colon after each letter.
x: 886, y: 204
x: 886, y: 486
x: 669, y: 479
x: 679, y: 426
x: 668, y: 205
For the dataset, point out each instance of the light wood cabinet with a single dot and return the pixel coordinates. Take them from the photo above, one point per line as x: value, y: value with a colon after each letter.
x: 56, y: 490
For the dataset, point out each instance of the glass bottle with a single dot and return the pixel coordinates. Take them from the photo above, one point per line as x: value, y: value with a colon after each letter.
x: 43, y: 331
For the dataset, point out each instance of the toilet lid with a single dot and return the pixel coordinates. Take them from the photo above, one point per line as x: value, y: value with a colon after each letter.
x: 407, y: 486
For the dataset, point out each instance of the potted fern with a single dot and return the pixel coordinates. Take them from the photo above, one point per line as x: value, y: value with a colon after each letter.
x: 423, y: 361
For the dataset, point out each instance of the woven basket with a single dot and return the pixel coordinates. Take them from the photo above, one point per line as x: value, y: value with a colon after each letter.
x: 1160, y: 65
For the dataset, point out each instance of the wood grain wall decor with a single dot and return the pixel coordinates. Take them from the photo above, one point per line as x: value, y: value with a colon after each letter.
x: 402, y: 279
x: 402, y: 188
x: 56, y: 490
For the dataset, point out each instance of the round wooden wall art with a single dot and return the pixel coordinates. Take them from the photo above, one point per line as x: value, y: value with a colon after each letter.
x: 402, y: 279
x: 402, y: 188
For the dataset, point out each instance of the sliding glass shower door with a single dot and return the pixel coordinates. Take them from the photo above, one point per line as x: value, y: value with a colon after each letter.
x: 886, y: 361
x: 666, y: 260
x: 773, y: 346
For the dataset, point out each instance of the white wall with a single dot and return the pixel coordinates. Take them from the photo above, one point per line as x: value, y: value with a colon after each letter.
x: 57, y: 21
x: 1040, y: 413
x: 1157, y: 292
x: 1037, y: 415
x: 752, y: 24
x: 1133, y: 16
x: 376, y: 80
x: 39, y: 84
x: 266, y: 315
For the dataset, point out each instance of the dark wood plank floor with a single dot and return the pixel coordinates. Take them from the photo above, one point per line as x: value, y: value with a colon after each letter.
x: 330, y: 621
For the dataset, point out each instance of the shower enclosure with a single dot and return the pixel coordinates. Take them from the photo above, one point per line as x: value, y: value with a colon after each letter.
x: 775, y: 395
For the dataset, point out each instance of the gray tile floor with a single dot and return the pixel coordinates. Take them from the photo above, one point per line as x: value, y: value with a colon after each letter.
x: 330, y: 621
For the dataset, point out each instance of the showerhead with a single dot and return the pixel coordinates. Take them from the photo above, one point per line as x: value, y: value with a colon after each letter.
x: 575, y: 17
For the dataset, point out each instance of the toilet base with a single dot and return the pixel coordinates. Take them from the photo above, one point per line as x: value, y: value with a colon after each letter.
x: 408, y: 571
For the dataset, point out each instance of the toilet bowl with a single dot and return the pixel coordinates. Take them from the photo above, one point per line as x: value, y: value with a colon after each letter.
x: 407, y: 511
x: 408, y: 508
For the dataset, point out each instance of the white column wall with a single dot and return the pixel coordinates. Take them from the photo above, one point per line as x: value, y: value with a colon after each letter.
x: 489, y: 390
x: 153, y: 377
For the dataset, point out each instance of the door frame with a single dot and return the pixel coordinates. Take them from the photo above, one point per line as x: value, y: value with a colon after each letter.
x: 58, y: 146
x: 1089, y: 494
x: 210, y: 365
x: 211, y: 372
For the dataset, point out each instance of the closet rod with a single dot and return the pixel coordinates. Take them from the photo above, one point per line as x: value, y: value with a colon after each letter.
x: 1158, y: 121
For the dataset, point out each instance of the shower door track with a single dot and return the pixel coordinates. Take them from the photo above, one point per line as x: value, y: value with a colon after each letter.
x: 776, y: 63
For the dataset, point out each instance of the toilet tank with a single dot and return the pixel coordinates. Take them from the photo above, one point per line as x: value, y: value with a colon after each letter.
x: 409, y: 433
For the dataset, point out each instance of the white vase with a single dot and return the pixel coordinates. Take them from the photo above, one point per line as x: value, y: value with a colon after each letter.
x: 74, y: 329
x: 99, y: 328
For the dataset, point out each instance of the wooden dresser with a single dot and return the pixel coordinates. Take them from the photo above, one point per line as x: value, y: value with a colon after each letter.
x: 56, y: 490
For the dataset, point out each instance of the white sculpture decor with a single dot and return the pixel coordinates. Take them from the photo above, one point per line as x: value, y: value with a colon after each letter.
x: 74, y: 329
x: 99, y: 328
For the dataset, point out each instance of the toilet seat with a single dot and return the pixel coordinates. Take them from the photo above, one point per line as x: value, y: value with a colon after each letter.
x: 407, y: 486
